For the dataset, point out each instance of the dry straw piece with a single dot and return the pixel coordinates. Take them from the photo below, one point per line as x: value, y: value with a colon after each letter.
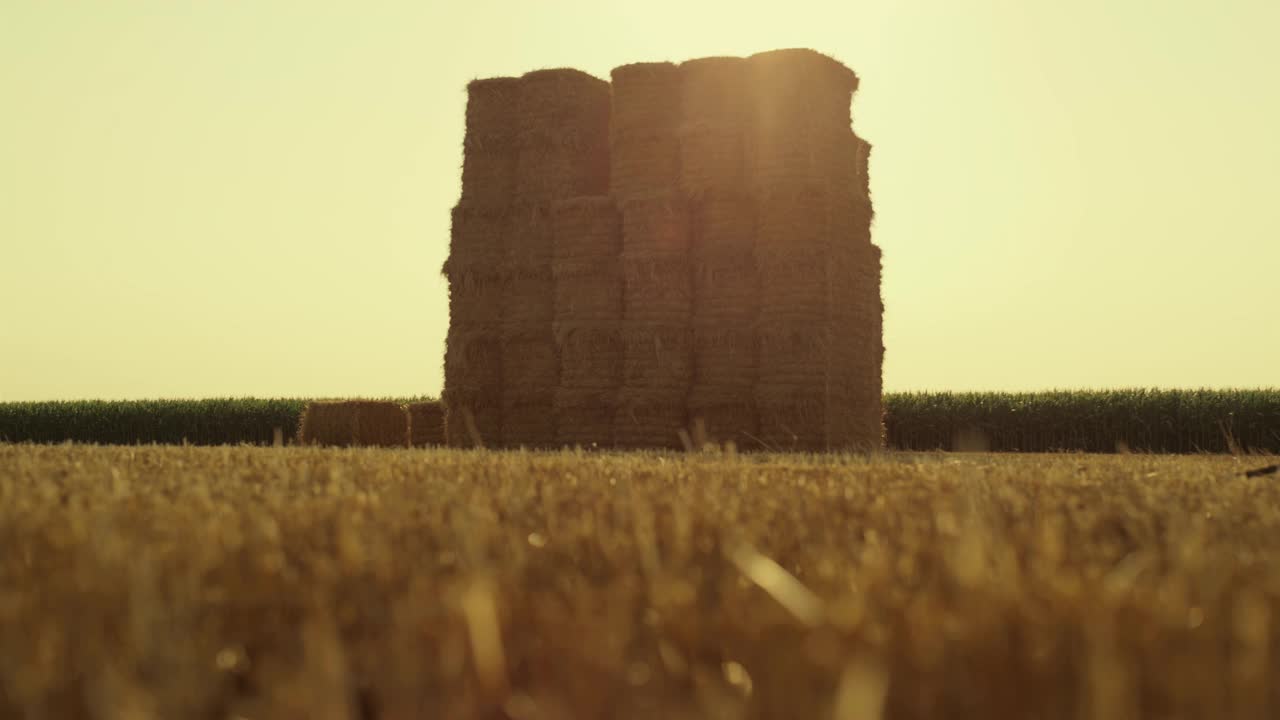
x: 426, y: 423
x: 354, y: 423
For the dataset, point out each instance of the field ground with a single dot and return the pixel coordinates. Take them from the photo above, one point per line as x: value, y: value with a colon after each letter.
x: 305, y: 583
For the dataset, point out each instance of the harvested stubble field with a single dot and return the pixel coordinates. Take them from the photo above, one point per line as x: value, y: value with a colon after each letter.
x: 306, y: 583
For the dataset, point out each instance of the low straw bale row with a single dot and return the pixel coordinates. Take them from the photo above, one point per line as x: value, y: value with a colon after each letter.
x: 354, y: 423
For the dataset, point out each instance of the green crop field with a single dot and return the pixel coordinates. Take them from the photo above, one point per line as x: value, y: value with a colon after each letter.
x: 241, y: 582
x: 1168, y: 421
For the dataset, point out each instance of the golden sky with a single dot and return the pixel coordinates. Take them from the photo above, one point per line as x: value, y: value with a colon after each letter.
x: 252, y: 198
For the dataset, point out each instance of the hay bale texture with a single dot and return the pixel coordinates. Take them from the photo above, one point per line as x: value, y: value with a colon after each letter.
x: 354, y: 423
x: 426, y: 424
x: 691, y: 243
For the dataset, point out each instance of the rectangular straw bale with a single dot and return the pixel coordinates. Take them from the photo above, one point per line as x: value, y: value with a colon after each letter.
x: 586, y: 234
x: 473, y: 360
x: 795, y: 88
x: 643, y: 165
x: 477, y: 235
x: 528, y: 418
x: 646, y: 100
x: 657, y: 225
x: 650, y: 419
x: 563, y: 103
x: 354, y: 423
x: 657, y: 357
x: 469, y: 413
x: 793, y: 354
x: 716, y: 91
x: 729, y: 414
x: 590, y: 357
x: 552, y: 168
x: 794, y: 418
x: 584, y: 417
x: 475, y: 301
x: 426, y: 423
x: 528, y: 304
x: 489, y: 146
x: 811, y: 221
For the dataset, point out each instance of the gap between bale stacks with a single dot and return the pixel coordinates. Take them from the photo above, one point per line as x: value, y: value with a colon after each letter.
x: 354, y: 423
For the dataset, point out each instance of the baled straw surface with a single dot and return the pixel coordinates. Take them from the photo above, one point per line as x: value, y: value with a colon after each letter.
x: 649, y: 419
x: 728, y: 414
x: 657, y: 291
x: 657, y: 357
x: 477, y: 238
x: 796, y: 88
x: 726, y: 294
x: 590, y: 300
x: 792, y: 354
x: 587, y: 235
x: 724, y: 228
x: 590, y: 358
x: 475, y: 302
x: 490, y: 146
x: 811, y: 221
x: 716, y: 91
x: 712, y: 159
x: 354, y: 423
x: 426, y: 424
x: 473, y: 360
x: 644, y: 165
x: 528, y: 418
x: 565, y: 103
x: 528, y: 304
x: 725, y: 356
x: 794, y: 419
x: 564, y: 145
x: 657, y: 225
x: 467, y: 410
x: 584, y: 417
x: 646, y: 100
x: 528, y: 239
x: 822, y: 158
x: 862, y: 167
x: 529, y: 362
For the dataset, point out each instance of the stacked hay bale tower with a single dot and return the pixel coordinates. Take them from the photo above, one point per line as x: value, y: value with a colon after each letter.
x: 531, y: 142
x: 696, y: 247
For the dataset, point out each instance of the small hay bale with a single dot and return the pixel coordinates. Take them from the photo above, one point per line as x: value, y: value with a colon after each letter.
x: 716, y: 91
x: 825, y: 158
x: 590, y: 358
x: 472, y: 414
x: 554, y: 168
x: 354, y: 423
x: 646, y: 99
x: 587, y: 234
x: 657, y: 225
x: 649, y: 419
x: 584, y: 417
x: 657, y: 357
x: 426, y: 423
x: 489, y: 147
x: 528, y: 240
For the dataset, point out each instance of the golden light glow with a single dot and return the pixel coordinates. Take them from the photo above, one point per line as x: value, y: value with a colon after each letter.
x: 252, y: 198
